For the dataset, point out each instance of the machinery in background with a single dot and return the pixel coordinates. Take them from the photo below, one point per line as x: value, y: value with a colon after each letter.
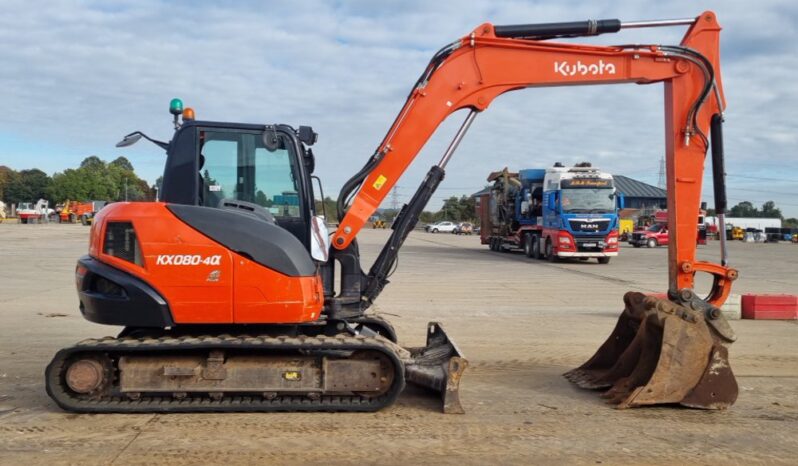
x: 656, y: 233
x: 39, y: 212
x: 233, y: 299
x: 557, y: 212
x: 72, y: 211
x: 626, y: 226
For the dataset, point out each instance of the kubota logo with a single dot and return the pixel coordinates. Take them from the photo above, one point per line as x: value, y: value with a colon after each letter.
x: 187, y: 259
x: 582, y: 69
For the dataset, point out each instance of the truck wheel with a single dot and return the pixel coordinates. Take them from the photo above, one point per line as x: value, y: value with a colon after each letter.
x: 73, y: 218
x: 492, y: 243
x: 84, y: 220
x: 550, y: 252
x: 535, y: 247
x: 434, y: 230
x: 652, y: 243
x: 603, y: 260
x: 528, y: 240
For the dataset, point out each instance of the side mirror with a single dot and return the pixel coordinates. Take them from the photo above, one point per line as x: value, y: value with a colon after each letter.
x: 620, y: 201
x: 129, y: 140
x: 134, y: 137
x: 319, y: 239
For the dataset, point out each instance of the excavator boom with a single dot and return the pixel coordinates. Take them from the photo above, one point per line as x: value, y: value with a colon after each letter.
x: 492, y: 60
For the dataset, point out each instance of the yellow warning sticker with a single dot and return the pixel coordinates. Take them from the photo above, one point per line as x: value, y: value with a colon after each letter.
x: 380, y: 181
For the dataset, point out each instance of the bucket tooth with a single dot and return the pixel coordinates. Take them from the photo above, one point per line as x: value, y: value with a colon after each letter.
x: 674, y: 356
x: 438, y: 366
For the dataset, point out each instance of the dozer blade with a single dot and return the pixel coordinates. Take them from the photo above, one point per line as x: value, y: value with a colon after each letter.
x: 438, y: 366
x: 662, y: 352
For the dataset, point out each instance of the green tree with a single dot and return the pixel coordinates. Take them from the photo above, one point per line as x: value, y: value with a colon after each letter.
x: 122, y: 163
x: 97, y: 180
x: 28, y: 186
x: 456, y: 209
x: 744, y: 209
x: 6, y: 176
x: 769, y: 210
x: 92, y: 162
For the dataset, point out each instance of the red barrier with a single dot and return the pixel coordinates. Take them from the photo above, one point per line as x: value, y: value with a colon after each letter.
x: 770, y: 306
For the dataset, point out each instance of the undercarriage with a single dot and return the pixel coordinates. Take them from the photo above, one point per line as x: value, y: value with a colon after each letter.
x: 183, y: 372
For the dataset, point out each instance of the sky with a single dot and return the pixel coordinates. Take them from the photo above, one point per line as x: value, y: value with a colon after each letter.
x: 78, y: 75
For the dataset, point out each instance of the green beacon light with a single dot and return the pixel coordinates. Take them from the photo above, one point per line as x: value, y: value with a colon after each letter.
x: 176, y: 109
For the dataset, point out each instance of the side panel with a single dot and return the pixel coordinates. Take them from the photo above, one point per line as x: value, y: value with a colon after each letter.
x: 196, y: 293
x: 262, y: 295
x: 202, y: 281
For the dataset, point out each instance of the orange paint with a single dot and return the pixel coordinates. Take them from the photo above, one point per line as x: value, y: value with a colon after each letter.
x: 232, y: 290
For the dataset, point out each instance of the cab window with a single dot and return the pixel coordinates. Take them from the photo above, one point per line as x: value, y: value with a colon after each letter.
x: 236, y: 165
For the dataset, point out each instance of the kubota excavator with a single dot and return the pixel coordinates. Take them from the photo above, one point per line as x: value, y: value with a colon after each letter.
x: 235, y: 298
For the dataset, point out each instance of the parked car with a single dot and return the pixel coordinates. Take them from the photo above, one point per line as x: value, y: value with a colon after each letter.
x: 464, y: 228
x: 443, y: 227
x: 653, y: 236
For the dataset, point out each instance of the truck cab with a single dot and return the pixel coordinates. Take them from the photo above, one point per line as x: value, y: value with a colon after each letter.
x: 558, y: 212
x: 580, y: 218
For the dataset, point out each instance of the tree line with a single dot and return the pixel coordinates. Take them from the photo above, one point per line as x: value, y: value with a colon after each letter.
x: 455, y: 209
x: 747, y: 209
x: 94, y: 179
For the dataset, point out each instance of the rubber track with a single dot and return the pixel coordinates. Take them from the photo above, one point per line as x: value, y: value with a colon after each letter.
x: 116, y: 347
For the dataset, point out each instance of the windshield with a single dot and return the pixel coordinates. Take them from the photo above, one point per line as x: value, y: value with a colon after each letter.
x: 656, y: 227
x: 588, y: 200
x: 236, y: 165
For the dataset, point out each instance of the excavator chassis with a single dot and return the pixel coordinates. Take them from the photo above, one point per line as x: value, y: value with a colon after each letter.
x: 244, y: 373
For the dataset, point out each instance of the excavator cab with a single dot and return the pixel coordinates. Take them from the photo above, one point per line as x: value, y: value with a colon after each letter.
x: 262, y: 168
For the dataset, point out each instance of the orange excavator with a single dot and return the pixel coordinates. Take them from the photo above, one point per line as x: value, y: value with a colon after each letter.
x: 234, y: 297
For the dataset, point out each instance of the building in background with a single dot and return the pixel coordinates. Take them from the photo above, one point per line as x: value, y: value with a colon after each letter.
x: 640, y: 196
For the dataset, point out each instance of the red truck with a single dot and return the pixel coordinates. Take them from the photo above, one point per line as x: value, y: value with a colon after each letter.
x: 657, y: 234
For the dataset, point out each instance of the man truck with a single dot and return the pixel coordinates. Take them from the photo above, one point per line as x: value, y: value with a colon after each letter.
x: 557, y: 212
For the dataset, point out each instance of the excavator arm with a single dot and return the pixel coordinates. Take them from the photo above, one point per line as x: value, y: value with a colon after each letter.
x: 492, y: 60
x: 662, y: 351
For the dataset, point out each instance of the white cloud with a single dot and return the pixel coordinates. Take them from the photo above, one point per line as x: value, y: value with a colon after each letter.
x: 79, y: 75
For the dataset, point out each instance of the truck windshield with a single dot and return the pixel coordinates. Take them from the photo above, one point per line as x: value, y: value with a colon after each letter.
x: 588, y: 200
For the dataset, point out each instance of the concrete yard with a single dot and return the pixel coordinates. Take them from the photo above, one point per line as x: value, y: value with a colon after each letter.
x: 521, y: 324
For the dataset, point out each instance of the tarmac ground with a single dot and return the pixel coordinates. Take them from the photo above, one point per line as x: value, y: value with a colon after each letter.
x: 521, y: 323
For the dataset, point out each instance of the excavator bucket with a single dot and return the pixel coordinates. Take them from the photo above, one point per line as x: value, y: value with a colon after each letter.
x: 663, y: 352
x: 438, y: 366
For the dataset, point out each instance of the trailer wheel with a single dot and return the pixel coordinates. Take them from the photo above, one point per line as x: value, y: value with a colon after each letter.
x: 603, y: 260
x: 84, y: 220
